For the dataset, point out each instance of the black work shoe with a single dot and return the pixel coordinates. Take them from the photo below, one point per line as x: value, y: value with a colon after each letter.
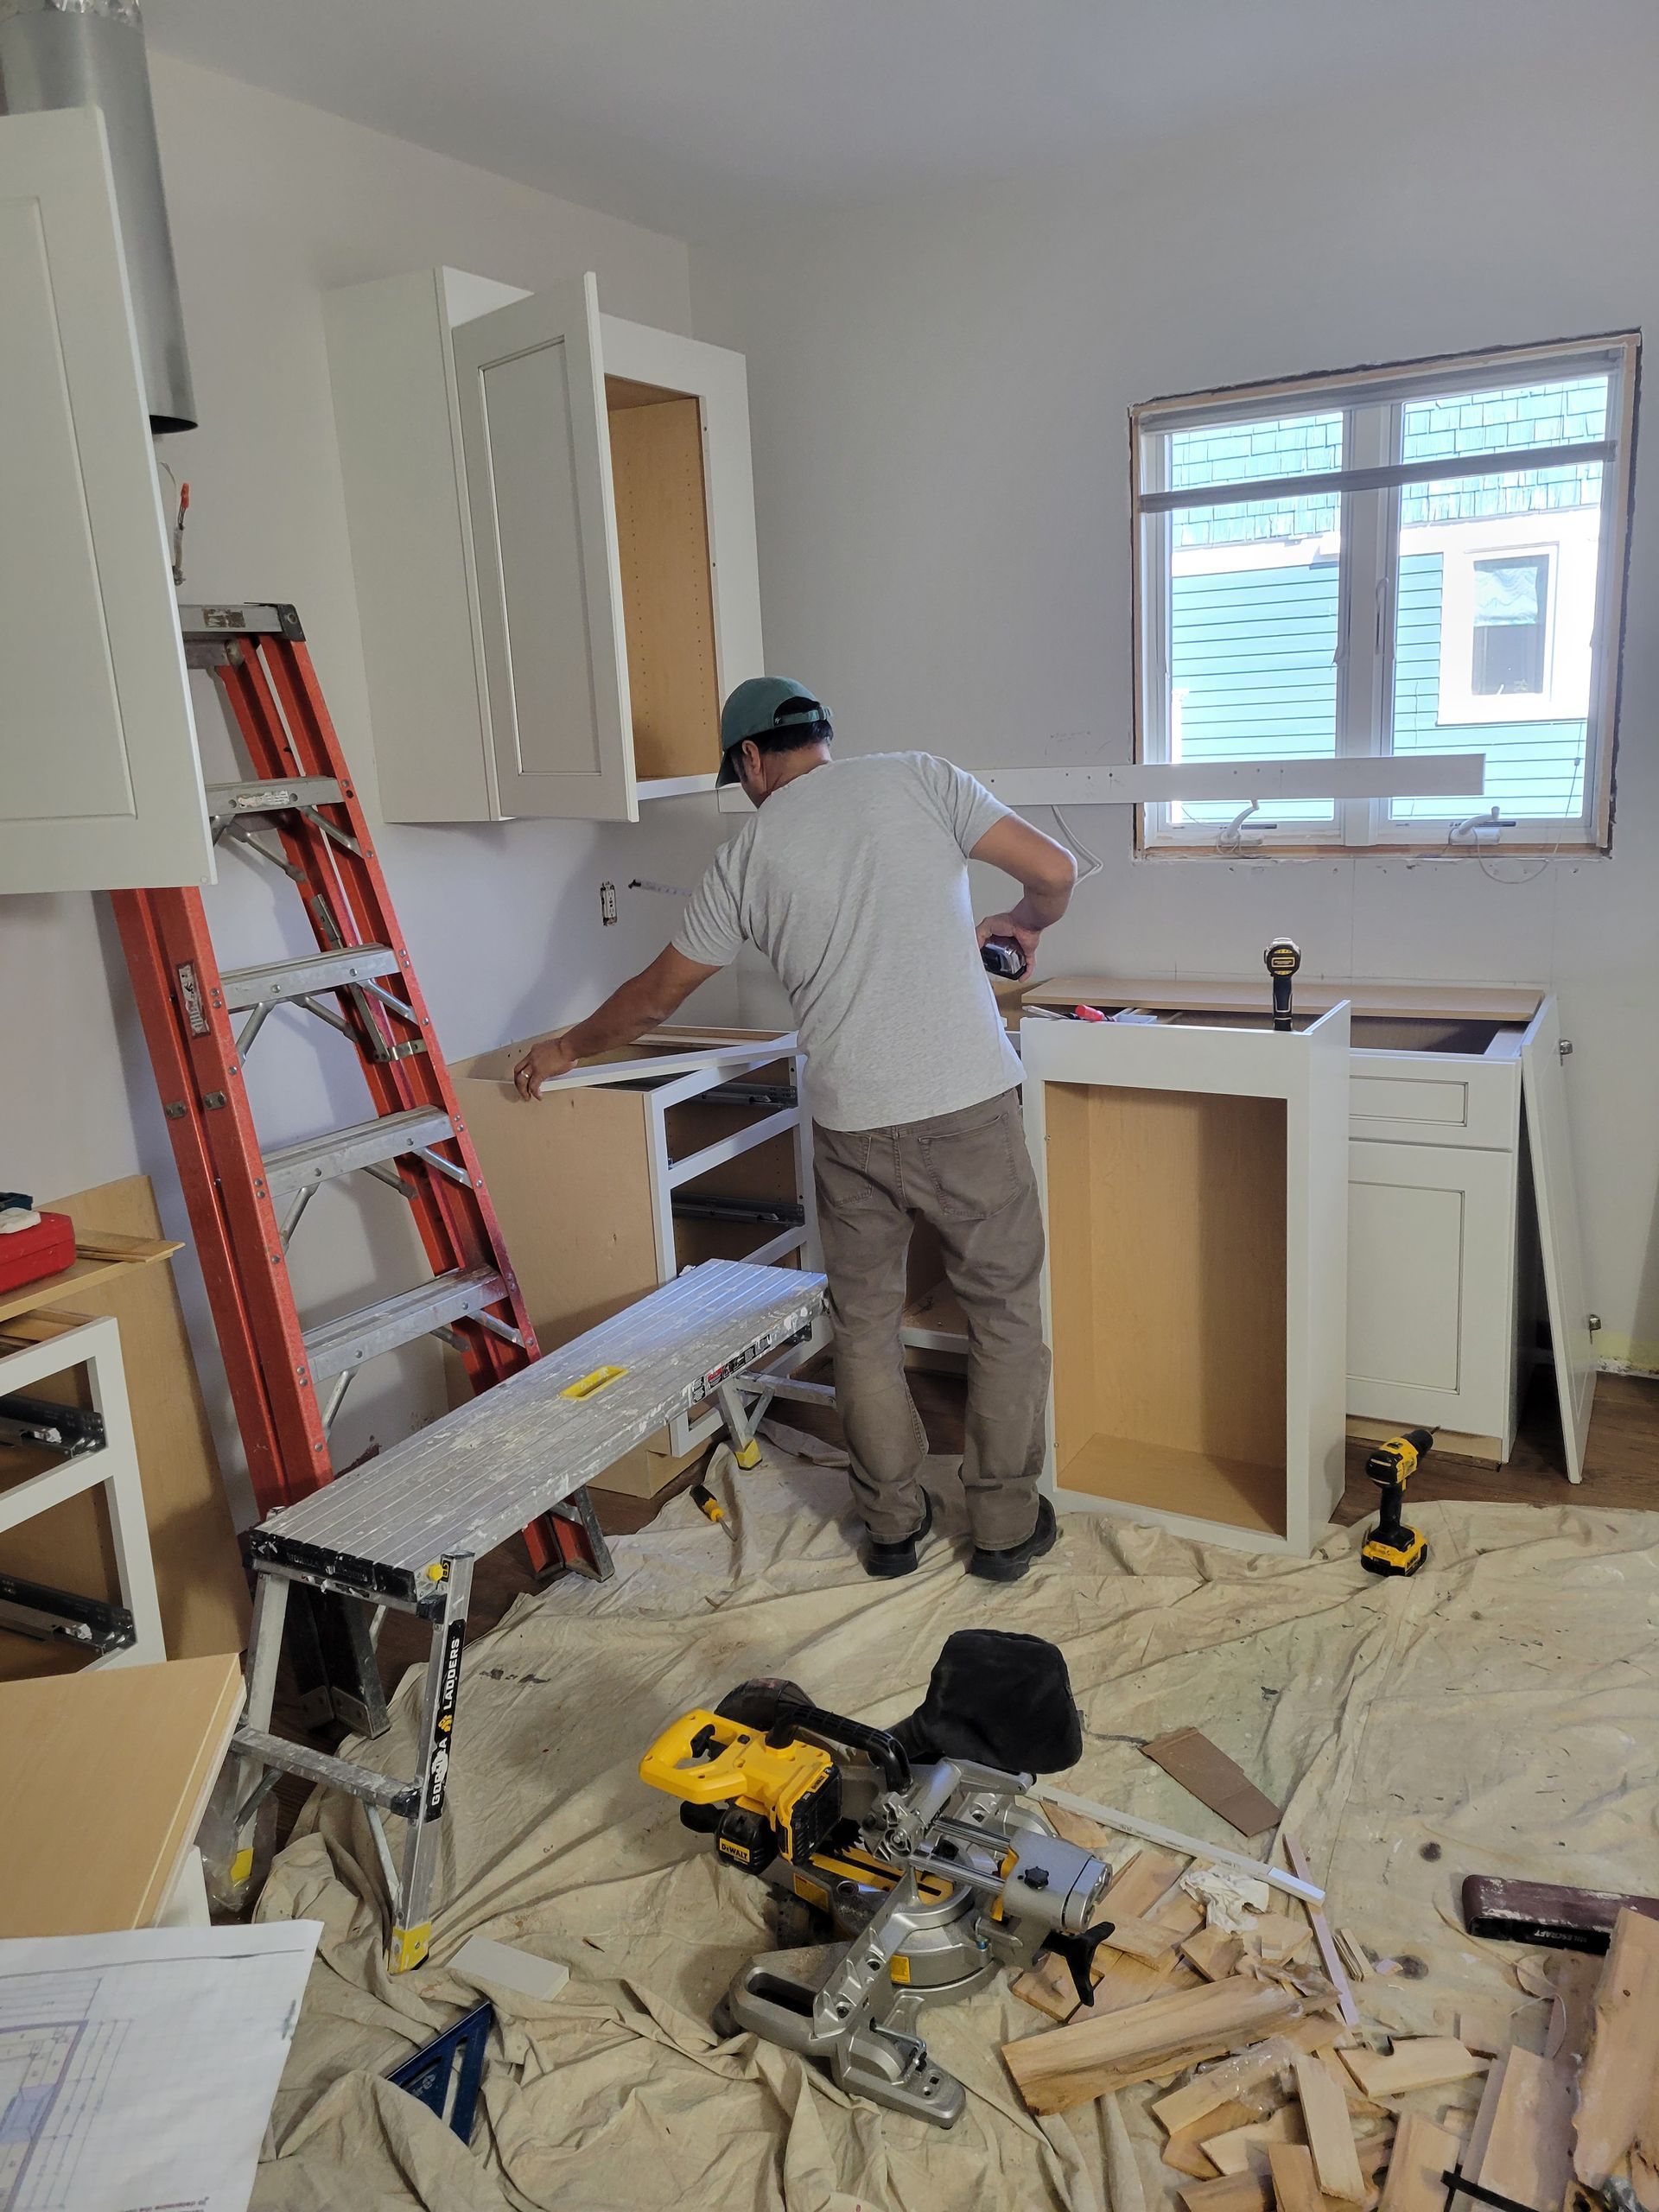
x: 1009, y: 1565
x: 888, y: 1560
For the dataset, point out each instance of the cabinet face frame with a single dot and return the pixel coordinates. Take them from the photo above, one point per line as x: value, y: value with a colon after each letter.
x: 1308, y: 1071
x: 101, y: 787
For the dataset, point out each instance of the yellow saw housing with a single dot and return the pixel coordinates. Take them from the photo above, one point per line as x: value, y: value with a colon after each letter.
x: 707, y: 1760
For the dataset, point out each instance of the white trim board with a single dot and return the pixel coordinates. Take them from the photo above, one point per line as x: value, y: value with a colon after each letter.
x: 1145, y: 783
x: 1399, y: 775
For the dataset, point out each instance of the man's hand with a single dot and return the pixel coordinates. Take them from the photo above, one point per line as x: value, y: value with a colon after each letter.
x: 1016, y: 932
x: 553, y: 1056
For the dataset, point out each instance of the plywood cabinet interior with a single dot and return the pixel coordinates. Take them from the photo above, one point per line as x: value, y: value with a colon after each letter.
x: 100, y: 784
x: 1192, y: 1185
x: 552, y: 522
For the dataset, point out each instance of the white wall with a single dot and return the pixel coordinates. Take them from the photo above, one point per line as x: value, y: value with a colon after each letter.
x: 938, y: 395
x: 271, y: 203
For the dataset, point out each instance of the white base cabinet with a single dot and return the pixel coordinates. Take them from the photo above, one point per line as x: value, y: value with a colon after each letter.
x: 1193, y: 1186
x: 1460, y: 1178
x: 551, y: 514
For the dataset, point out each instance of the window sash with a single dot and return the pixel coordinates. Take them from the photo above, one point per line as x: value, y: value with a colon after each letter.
x: 1369, y: 485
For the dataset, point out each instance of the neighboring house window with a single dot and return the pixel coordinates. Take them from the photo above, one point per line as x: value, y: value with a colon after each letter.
x: 1510, y: 603
x: 1425, y: 559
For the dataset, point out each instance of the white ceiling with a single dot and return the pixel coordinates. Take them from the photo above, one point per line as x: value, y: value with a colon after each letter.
x: 693, y: 115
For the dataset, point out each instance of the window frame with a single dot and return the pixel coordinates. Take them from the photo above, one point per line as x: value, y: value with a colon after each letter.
x: 1370, y: 401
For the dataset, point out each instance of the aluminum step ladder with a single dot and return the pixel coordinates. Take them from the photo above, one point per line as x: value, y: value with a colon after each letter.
x: 298, y: 813
x: 403, y: 1532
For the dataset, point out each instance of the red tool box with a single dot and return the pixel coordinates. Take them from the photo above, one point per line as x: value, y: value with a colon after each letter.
x: 28, y: 1254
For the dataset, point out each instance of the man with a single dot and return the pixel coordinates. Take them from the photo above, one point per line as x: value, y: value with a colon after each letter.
x: 852, y: 878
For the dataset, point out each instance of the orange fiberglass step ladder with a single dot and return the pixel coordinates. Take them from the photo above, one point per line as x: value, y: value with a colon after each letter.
x: 299, y: 812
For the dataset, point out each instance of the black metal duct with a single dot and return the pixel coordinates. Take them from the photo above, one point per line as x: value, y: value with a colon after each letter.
x: 56, y: 53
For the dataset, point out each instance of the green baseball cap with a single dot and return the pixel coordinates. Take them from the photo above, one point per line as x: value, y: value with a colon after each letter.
x: 761, y: 706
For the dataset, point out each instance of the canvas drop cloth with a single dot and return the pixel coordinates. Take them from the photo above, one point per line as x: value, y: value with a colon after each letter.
x: 1498, y: 1713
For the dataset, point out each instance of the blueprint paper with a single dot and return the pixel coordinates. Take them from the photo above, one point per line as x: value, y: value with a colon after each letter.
x: 137, y: 2069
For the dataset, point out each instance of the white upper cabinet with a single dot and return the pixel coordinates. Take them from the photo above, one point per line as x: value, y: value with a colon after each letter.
x: 100, y: 785
x: 552, y: 524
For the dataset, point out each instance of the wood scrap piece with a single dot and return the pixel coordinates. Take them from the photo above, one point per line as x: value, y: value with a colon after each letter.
x: 1244, y: 2150
x: 1322, y: 1936
x: 1618, y: 2095
x: 1480, y: 2134
x: 1139, y: 1885
x: 1237, y: 2076
x: 1214, y: 1951
x: 1423, y: 2151
x: 1232, y: 2193
x: 1528, y: 2153
x: 1279, y: 1938
x: 1215, y: 1780
x: 1123, y: 1981
x: 1295, y: 2185
x: 1374, y: 2152
x: 1415, y: 2063
x: 1551, y: 1913
x: 1360, y: 2107
x: 1354, y: 1957
x: 1073, y: 2065
x: 1329, y: 2132
x: 1185, y: 2151
x: 1147, y: 1940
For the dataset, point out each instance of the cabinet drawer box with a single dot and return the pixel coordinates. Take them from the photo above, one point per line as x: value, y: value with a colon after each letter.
x: 1394, y: 1098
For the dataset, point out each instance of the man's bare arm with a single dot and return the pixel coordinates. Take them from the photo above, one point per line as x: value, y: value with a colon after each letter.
x: 644, y: 1001
x: 1045, y: 871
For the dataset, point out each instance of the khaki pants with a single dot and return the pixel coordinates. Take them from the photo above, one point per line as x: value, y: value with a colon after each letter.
x: 968, y: 1174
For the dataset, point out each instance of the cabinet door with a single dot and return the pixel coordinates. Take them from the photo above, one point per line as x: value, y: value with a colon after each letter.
x: 100, y: 786
x: 1431, y: 1285
x: 1543, y: 1078
x: 531, y: 389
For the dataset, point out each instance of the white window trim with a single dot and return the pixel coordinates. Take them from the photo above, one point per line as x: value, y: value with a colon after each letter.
x: 1370, y: 400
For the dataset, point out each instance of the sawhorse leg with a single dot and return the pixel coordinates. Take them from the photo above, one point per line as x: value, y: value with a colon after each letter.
x: 243, y: 1783
x: 740, y: 1422
x: 411, y: 1930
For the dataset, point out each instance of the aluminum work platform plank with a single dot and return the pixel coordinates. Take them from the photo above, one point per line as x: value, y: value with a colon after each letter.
x: 470, y: 1480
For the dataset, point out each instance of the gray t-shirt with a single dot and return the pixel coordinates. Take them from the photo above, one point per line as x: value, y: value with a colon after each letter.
x: 853, y: 881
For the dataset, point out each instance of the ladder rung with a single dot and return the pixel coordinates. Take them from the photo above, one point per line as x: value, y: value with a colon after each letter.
x: 313, y: 971
x: 337, y: 1152
x: 334, y: 1346
x: 375, y: 1789
x: 229, y: 802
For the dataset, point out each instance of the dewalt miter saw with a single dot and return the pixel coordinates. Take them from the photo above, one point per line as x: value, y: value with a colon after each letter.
x: 924, y: 1865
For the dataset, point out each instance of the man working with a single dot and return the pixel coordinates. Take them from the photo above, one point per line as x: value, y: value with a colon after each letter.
x: 852, y: 878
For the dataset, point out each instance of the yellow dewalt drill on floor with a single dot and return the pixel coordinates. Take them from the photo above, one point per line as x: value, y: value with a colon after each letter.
x: 1392, y: 1548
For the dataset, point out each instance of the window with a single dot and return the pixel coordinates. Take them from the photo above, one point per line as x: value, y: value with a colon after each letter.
x: 1511, y: 599
x: 1427, y: 559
